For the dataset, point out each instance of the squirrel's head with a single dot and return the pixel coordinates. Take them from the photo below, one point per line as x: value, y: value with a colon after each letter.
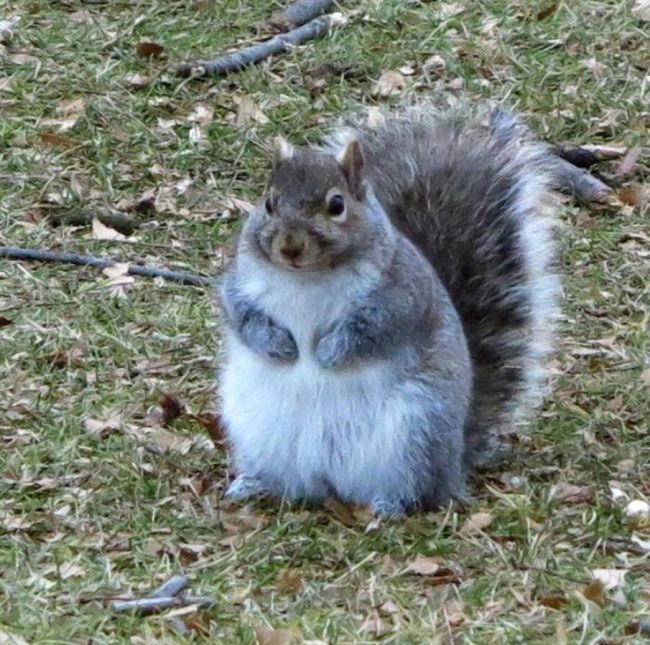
x: 312, y: 214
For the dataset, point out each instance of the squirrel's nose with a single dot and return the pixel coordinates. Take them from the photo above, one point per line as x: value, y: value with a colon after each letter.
x: 292, y: 248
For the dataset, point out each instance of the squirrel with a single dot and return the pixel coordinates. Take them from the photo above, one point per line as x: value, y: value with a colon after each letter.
x: 388, y: 311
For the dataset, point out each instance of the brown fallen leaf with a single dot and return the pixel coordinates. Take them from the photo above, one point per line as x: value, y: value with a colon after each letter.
x: 425, y: 565
x: 476, y: 522
x: 68, y: 358
x: 268, y: 636
x: 627, y: 163
x: 571, y: 494
x: 553, y: 602
x: 290, y: 581
x: 249, y: 112
x: 56, y: 140
x: 100, y: 428
x: 595, y: 591
x: 374, y: 625
x: 341, y: 512
x: 171, y: 408
x: 149, y: 49
x: 634, y: 195
x: 103, y: 232
x: 389, y: 83
x: 212, y: 425
x: 547, y: 11
x: 5, y: 322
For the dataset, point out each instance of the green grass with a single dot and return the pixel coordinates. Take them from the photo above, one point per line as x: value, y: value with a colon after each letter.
x: 84, y: 518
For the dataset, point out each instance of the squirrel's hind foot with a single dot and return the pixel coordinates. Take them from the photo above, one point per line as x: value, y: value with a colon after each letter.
x: 388, y: 509
x: 243, y: 487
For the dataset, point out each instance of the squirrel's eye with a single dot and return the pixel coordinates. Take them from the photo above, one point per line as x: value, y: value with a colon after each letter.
x: 268, y: 206
x: 336, y: 207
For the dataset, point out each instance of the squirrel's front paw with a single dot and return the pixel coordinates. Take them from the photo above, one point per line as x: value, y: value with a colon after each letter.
x: 332, y: 350
x: 281, y: 347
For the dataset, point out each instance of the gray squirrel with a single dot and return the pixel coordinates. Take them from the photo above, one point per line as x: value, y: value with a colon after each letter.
x: 388, y: 311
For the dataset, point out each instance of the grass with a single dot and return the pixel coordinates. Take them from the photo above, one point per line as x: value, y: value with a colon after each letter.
x: 88, y: 516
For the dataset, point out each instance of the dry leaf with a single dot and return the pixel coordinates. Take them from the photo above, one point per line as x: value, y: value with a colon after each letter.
x: 212, y: 425
x: 8, y: 28
x: 202, y: 114
x: 435, y: 65
x: 634, y: 195
x: 53, y: 139
x: 103, y: 232
x: 149, y: 49
x: 637, y: 513
x: 626, y: 165
x: 476, y: 522
x: 11, y: 639
x: 268, y: 636
x: 25, y: 59
x: 553, y: 602
x: 644, y: 545
x: 610, y: 578
x: 171, y: 408
x: 341, y: 512
x: 137, y: 81
x: 571, y: 493
x: 641, y: 9
x: 547, y: 11
x: 160, y: 441
x: 248, y: 112
x: 99, y: 428
x: 595, y: 591
x: 373, y: 624
x: 73, y: 107
x: 453, y: 611
x: 450, y: 9
x: 71, y: 570
x: 233, y: 204
x: 424, y: 566
x: 290, y: 581
x: 4, y: 322
x: 389, y: 83
x: 389, y: 608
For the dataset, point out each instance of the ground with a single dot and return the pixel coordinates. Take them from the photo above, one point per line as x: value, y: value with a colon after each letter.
x: 99, y: 499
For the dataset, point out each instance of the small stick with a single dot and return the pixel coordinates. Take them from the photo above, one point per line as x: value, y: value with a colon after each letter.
x: 150, y: 605
x: 146, y: 605
x: 298, y: 13
x: 40, y: 255
x: 256, y: 53
x: 586, y: 156
x: 119, y: 222
x: 172, y: 587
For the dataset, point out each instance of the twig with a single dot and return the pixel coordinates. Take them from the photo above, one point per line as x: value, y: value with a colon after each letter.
x: 172, y: 587
x: 256, y: 53
x: 586, y: 156
x: 151, y: 605
x: 298, y: 13
x: 119, y: 222
x: 146, y: 605
x: 40, y: 255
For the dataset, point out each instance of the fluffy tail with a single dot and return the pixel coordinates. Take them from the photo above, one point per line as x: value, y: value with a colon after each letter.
x: 470, y: 195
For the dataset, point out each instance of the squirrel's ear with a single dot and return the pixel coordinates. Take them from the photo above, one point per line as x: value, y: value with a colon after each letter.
x: 282, y: 150
x: 351, y: 162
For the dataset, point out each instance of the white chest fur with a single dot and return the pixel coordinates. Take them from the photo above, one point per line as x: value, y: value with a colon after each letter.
x: 301, y: 427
